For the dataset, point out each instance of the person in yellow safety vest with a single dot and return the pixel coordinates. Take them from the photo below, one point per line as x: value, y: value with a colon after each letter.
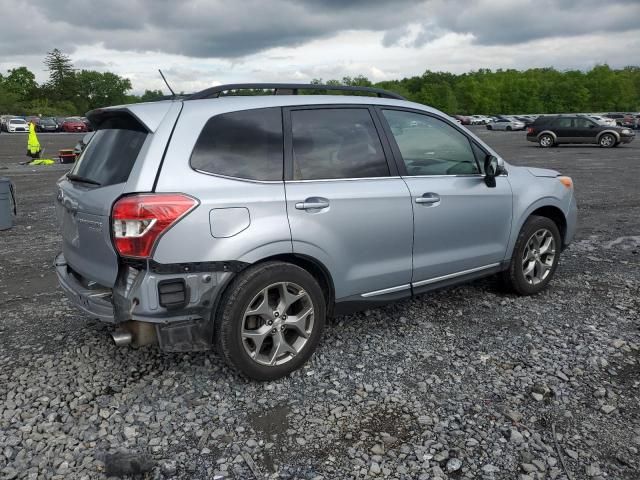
x: 33, y: 144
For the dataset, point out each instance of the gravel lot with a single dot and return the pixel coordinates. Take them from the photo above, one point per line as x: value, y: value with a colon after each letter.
x: 467, y: 383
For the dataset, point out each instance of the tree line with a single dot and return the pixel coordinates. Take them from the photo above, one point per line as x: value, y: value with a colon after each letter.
x: 69, y: 91
x: 536, y: 90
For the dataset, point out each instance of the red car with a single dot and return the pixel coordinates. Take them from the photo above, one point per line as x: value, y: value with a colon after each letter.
x: 73, y: 125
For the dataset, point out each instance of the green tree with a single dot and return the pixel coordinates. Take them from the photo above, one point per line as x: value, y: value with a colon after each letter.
x: 59, y: 66
x: 96, y: 89
x: 20, y: 81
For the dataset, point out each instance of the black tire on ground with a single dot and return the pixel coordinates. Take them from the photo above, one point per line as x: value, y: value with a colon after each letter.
x: 607, y: 140
x: 229, y: 322
x: 509, y: 129
x: 489, y: 127
x: 546, y: 141
x: 514, y: 278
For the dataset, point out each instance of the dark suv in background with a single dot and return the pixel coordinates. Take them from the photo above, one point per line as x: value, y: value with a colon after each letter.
x: 554, y: 130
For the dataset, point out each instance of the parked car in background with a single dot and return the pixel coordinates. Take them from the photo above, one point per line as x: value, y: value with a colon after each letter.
x: 479, y: 120
x: 524, y: 119
x: 17, y: 125
x: 551, y: 131
x: 87, y: 123
x: 82, y: 143
x: 3, y: 122
x: 73, y: 124
x: 603, y: 120
x: 621, y: 119
x: 232, y: 247
x: 464, y: 120
x: 506, y: 124
x: 47, y: 124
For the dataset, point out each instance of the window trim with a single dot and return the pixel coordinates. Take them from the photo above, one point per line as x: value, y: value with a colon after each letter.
x: 231, y: 177
x: 397, y: 155
x: 288, y: 141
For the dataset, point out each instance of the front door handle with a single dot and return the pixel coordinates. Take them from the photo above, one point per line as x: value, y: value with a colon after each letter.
x: 428, y: 198
x: 313, y: 203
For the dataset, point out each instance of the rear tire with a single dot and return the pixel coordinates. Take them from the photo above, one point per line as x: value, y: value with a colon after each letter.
x: 535, y: 257
x: 607, y: 140
x: 270, y: 320
x: 489, y: 127
x: 546, y: 141
x: 509, y: 129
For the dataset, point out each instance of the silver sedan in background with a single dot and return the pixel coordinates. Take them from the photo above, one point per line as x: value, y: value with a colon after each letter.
x: 506, y: 124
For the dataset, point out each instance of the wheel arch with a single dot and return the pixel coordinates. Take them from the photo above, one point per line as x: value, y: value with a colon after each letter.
x: 316, y: 268
x: 612, y: 132
x: 554, y: 214
x: 550, y: 207
x: 547, y: 132
x: 313, y: 266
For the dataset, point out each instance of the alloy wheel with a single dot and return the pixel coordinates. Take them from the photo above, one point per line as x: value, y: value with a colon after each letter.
x: 277, y: 323
x: 538, y: 256
x: 606, y: 140
x: 546, y: 141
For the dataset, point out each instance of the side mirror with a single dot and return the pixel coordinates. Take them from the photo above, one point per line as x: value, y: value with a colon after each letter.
x: 493, y: 166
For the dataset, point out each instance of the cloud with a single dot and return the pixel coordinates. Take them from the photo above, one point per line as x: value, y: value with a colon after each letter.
x: 199, y: 43
x: 503, y: 22
x: 224, y: 29
x: 194, y: 28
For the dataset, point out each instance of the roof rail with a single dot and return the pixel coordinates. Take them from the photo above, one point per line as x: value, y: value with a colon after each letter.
x: 288, y: 89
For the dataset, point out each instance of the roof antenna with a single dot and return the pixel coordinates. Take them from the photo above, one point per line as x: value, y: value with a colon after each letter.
x: 167, y: 84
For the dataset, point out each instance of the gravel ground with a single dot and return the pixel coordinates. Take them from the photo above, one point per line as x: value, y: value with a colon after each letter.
x: 465, y: 383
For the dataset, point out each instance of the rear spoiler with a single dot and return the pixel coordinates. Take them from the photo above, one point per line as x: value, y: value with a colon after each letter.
x: 150, y: 115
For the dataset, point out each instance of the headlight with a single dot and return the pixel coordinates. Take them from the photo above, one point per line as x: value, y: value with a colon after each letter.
x: 626, y: 131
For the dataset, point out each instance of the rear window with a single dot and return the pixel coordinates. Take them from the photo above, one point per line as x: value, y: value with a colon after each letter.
x: 112, y: 152
x: 244, y: 144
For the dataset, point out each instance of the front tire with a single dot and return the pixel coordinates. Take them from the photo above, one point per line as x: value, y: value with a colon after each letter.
x: 607, y: 140
x: 270, y: 320
x: 535, y: 256
x: 489, y: 127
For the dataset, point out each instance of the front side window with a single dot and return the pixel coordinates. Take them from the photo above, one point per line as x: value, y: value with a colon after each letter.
x: 333, y: 143
x: 244, y: 144
x: 584, y: 123
x: 430, y: 146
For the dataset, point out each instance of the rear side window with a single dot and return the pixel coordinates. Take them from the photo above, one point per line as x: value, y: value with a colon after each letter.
x: 333, y: 143
x: 112, y: 151
x: 563, y: 123
x: 244, y: 144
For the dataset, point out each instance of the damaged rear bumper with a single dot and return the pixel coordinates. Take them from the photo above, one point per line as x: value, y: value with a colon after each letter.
x: 181, y: 316
x: 94, y: 300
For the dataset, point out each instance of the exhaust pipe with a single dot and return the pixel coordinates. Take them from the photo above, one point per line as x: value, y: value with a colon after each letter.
x: 122, y: 338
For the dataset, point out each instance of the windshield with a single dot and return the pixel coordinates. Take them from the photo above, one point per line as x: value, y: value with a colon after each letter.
x: 17, y: 120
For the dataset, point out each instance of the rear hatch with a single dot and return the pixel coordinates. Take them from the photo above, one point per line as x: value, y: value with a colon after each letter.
x: 85, y: 195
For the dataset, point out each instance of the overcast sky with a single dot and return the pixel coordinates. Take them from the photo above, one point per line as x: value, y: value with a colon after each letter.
x: 199, y: 43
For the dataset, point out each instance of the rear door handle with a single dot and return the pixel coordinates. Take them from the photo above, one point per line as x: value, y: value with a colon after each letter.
x: 428, y: 198
x: 313, y: 203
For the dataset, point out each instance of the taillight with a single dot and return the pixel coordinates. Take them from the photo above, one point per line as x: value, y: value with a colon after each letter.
x: 138, y: 221
x: 529, y: 131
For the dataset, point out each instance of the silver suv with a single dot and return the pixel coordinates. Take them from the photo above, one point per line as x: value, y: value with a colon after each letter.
x: 242, y: 222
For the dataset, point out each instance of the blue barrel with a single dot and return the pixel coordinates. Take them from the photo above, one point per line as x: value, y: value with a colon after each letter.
x: 7, y: 204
